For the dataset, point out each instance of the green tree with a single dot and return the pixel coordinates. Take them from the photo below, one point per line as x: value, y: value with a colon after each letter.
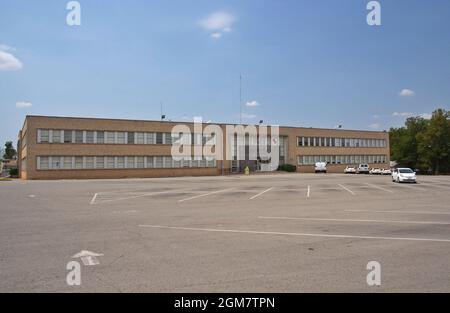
x: 10, y: 152
x: 434, y: 147
x: 405, y: 141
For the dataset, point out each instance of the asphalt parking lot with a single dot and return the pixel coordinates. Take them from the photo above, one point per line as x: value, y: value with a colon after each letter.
x: 258, y: 233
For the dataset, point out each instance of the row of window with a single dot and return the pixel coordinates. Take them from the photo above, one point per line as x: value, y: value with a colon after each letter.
x: 116, y: 137
x: 340, y: 142
x: 117, y: 162
x: 341, y: 159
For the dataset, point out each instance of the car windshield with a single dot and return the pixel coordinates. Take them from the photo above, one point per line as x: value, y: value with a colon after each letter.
x: 405, y: 170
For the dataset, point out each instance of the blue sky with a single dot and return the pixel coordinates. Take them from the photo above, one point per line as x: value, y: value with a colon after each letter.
x: 304, y: 63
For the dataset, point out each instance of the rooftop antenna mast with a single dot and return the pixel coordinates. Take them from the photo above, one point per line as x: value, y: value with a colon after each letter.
x: 162, y: 115
x: 240, y: 99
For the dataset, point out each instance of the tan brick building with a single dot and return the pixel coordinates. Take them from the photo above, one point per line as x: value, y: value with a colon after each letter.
x: 69, y: 147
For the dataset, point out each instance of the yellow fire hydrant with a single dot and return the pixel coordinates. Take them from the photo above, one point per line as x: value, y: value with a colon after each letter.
x: 246, y: 170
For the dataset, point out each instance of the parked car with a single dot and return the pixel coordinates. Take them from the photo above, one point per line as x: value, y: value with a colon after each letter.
x: 363, y: 169
x: 386, y: 171
x: 403, y: 174
x: 376, y: 171
x: 320, y: 167
x: 350, y: 170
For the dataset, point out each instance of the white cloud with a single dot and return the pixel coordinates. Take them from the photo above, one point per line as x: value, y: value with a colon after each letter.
x: 216, y: 35
x: 4, y: 47
x: 374, y: 126
x: 376, y: 116
x: 218, y: 23
x: 406, y: 93
x: 23, y: 104
x: 252, y: 103
x: 247, y: 116
x: 9, y: 62
x: 426, y: 116
x: 402, y: 114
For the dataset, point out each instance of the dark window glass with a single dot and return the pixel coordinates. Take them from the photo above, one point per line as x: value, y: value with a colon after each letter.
x: 130, y: 138
x: 159, y: 138
x: 67, y: 136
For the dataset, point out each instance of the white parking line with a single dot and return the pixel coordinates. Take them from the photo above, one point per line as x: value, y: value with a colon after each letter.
x: 262, y: 192
x: 139, y: 196
x: 205, y: 194
x: 434, y: 185
x: 292, y: 234
x: 307, y: 194
x: 93, y: 198
x: 399, y: 212
x: 408, y: 186
x: 378, y: 187
x: 350, y: 220
x: 345, y: 188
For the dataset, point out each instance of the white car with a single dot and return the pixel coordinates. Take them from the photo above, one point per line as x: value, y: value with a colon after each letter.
x: 386, y: 171
x: 403, y: 174
x: 375, y: 171
x: 350, y: 170
x: 320, y: 167
x: 363, y: 168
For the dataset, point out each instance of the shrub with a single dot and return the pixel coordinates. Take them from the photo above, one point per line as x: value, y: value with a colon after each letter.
x: 287, y: 168
x: 13, y: 171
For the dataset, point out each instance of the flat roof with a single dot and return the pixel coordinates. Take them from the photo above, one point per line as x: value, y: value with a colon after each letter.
x: 185, y: 122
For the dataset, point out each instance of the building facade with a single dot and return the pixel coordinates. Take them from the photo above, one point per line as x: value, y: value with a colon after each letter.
x: 77, y: 148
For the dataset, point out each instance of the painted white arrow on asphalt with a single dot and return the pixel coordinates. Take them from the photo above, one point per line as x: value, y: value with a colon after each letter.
x: 88, y: 257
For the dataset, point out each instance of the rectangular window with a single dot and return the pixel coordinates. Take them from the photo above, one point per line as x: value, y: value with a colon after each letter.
x: 177, y: 163
x: 56, y: 162
x: 158, y: 162
x: 78, y: 136
x: 100, y: 137
x: 78, y: 162
x: 89, y: 136
x: 130, y: 139
x: 120, y: 162
x: 56, y: 136
x: 89, y: 162
x: 150, y: 162
x: 159, y: 138
x: 150, y: 138
x: 110, y: 137
x: 168, y: 138
x: 140, y: 138
x: 130, y: 162
x: 100, y: 162
x: 67, y: 162
x: 337, y: 142
x: 43, y: 163
x: 167, y: 162
x: 140, y: 162
x: 110, y: 162
x: 210, y: 163
x: 121, y: 137
x: 67, y: 136
x: 44, y: 135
